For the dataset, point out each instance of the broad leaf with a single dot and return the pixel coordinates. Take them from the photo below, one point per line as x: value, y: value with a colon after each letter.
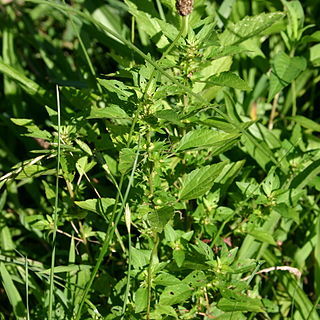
x: 284, y: 70
x: 205, y: 138
x: 126, y: 160
x: 175, y: 294
x: 306, y: 123
x: 111, y: 112
x: 251, y: 305
x: 228, y: 79
x: 95, y: 205
x: 199, y: 181
x: 248, y: 28
x: 159, y: 218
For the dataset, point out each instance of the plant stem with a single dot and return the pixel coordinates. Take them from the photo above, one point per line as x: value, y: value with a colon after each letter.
x: 161, y: 13
x: 273, y: 111
x: 294, y: 98
x: 55, y: 212
x: 171, y: 46
x: 153, y: 256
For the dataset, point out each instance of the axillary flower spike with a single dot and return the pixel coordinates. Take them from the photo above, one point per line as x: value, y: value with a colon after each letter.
x: 184, y: 7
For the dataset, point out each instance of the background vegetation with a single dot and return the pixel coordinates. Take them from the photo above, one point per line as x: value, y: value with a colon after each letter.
x: 159, y: 167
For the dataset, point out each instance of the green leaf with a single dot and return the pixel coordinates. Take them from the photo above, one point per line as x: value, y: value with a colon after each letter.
x: 315, y: 55
x: 147, y: 23
x: 159, y: 218
x: 140, y: 258
x: 141, y: 299
x: 295, y: 19
x: 166, y: 279
x: 262, y: 236
x: 199, y: 181
x: 177, y: 293
x: 228, y: 79
x: 96, y: 205
x: 251, y: 305
x: 284, y: 70
x: 12, y: 293
x: 84, y: 146
x: 126, y: 160
x: 248, y: 28
x: 31, y: 87
x: 169, y: 115
x: 306, y: 123
x: 111, y: 112
x: 196, y: 279
x: 306, y: 175
x: 34, y: 130
x: 72, y: 268
x: 179, y: 256
x: 117, y: 87
x: 205, y: 138
x: 287, y: 212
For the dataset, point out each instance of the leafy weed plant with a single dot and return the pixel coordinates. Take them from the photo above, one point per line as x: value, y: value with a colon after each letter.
x: 173, y: 173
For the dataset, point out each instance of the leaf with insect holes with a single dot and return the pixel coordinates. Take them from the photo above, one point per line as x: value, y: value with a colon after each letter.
x: 174, y: 294
x: 199, y: 181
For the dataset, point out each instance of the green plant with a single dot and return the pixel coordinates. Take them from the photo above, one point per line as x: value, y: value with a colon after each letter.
x: 180, y: 179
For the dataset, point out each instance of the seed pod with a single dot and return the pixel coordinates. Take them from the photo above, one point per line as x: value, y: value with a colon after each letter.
x: 184, y: 7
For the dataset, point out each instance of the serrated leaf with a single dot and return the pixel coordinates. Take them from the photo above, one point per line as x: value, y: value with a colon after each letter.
x: 248, y: 28
x: 284, y: 70
x: 34, y: 171
x: 117, y: 87
x: 228, y: 79
x: 205, y: 138
x: 199, y: 181
x: 147, y: 23
x: 295, y: 19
